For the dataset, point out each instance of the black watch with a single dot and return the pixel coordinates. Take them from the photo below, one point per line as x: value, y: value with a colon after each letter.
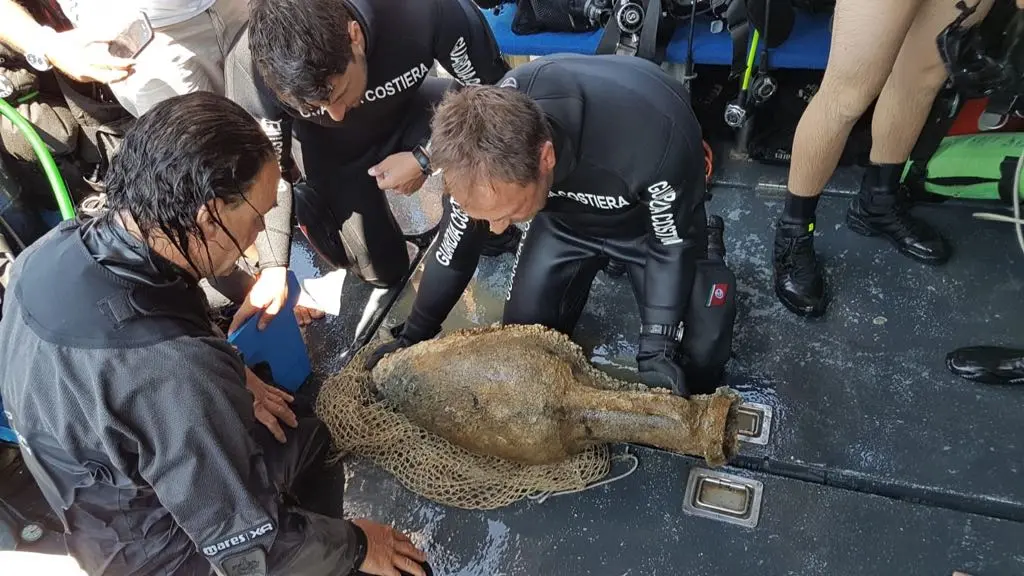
x: 420, y: 153
x: 667, y: 330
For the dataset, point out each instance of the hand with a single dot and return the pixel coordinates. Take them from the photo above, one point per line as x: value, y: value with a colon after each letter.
x: 270, y: 405
x: 84, y: 55
x: 385, y: 349
x: 388, y: 551
x: 269, y: 295
x: 400, y: 172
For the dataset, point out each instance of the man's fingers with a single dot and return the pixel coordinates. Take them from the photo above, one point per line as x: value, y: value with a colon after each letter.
x: 268, y: 420
x: 108, y: 76
x: 110, y: 62
x: 409, y: 566
x: 384, y: 182
x: 280, y: 393
x: 243, y: 314
x: 408, y: 549
x: 283, y: 413
x: 302, y: 315
x: 270, y: 312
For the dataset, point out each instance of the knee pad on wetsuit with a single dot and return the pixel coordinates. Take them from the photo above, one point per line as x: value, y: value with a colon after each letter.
x: 317, y: 222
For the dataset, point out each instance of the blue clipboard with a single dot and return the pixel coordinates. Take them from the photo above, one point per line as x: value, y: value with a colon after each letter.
x: 280, y: 344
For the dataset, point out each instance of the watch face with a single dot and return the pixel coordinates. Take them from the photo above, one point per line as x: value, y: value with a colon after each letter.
x: 37, y: 62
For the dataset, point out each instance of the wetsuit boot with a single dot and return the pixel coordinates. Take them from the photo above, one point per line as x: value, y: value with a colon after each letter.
x: 882, y: 209
x: 988, y: 364
x: 799, y: 284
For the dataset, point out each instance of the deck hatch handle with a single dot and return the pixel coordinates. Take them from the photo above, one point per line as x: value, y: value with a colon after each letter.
x: 724, y: 497
x: 755, y: 422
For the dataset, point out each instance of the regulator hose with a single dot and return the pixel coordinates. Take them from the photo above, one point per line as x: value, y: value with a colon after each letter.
x: 60, y: 191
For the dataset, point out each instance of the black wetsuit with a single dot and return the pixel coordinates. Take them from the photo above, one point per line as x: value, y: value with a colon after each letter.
x: 628, y: 185
x: 402, y: 41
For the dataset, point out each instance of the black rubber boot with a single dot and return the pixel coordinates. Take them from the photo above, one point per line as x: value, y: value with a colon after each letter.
x: 798, y: 280
x: 988, y: 364
x: 505, y: 243
x: 882, y: 209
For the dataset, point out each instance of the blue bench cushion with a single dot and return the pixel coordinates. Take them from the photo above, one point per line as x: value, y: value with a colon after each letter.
x: 807, y: 46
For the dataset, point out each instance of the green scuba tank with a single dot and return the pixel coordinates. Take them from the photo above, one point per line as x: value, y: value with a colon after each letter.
x: 974, y: 167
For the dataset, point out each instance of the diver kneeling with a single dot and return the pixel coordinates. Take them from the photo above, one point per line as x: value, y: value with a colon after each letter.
x: 602, y: 156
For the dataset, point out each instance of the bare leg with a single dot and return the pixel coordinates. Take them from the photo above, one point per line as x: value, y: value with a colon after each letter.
x: 866, y: 39
x: 902, y: 110
x: 916, y: 79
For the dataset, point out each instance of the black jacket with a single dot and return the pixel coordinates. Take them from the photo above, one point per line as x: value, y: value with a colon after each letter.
x: 629, y: 162
x: 134, y: 419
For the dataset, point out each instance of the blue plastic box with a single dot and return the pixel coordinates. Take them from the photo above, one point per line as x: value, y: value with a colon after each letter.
x: 280, y: 344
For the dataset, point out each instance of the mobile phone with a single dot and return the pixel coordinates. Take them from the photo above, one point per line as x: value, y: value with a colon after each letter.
x: 130, y: 41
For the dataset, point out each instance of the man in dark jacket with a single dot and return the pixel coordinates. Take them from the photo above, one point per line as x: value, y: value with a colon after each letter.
x: 134, y: 415
x: 603, y: 156
x: 353, y: 77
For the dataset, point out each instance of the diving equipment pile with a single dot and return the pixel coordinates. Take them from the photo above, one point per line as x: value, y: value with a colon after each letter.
x: 481, y: 418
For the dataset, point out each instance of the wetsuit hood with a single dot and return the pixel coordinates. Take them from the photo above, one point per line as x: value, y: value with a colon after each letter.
x: 101, y: 276
x: 363, y: 14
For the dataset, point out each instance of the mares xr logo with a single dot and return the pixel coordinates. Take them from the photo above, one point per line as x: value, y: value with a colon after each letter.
x: 663, y: 218
x: 240, y: 538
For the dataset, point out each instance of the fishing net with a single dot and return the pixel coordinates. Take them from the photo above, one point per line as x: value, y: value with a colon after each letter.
x: 431, y: 466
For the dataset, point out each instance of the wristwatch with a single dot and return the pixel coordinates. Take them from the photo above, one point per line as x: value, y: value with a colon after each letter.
x: 421, y: 155
x: 667, y: 330
x: 36, y: 54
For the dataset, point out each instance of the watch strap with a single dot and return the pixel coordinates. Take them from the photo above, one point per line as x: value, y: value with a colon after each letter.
x: 420, y: 153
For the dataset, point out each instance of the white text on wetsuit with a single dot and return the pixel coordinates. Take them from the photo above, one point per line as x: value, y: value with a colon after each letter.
x: 240, y: 538
x: 595, y: 200
x: 461, y: 64
x: 662, y: 218
x: 453, y: 234
x: 397, y: 84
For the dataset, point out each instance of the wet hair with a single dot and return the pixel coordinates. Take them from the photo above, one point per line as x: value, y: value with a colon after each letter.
x: 482, y: 133
x: 298, y: 44
x: 183, y: 153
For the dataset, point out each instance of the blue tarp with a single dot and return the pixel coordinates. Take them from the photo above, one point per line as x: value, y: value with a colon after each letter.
x: 807, y: 46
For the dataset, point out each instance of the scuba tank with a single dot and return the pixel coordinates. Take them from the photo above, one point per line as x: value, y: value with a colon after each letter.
x: 710, y: 316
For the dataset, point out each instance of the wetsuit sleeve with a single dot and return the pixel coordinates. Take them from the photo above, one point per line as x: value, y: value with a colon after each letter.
x: 450, y: 265
x: 194, y: 447
x: 672, y: 198
x: 465, y: 45
x: 244, y: 86
x: 274, y: 244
